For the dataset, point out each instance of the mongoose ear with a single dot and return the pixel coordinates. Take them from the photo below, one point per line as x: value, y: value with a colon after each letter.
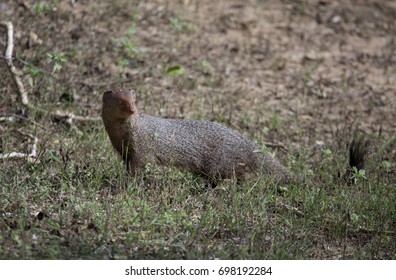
x: 107, y: 93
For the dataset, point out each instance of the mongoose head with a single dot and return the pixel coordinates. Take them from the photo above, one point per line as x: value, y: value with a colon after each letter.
x: 119, y: 104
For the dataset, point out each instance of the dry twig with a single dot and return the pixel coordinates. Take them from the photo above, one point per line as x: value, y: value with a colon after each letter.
x: 11, y: 67
x: 68, y: 118
x: 275, y: 145
x: 32, y: 154
x: 13, y: 118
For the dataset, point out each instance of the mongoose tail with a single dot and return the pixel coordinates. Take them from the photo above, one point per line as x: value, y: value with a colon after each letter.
x: 358, y: 150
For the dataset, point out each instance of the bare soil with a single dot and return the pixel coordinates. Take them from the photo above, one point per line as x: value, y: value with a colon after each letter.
x: 321, y: 61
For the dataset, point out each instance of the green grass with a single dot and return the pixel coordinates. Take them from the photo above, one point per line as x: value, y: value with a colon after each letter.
x: 72, y: 205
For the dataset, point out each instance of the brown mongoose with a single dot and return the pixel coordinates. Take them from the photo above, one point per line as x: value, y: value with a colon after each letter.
x: 208, y: 149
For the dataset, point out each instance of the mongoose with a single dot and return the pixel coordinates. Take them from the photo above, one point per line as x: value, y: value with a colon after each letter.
x: 208, y: 149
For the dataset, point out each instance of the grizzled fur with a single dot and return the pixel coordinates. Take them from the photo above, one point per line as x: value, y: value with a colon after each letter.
x: 208, y: 149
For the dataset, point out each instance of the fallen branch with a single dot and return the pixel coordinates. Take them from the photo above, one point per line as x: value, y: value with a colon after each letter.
x: 7, y: 119
x: 11, y: 67
x: 32, y: 154
x: 68, y: 118
x: 86, y: 119
x: 275, y: 145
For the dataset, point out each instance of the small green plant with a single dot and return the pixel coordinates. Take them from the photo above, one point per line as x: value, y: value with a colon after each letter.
x: 206, y: 66
x: 358, y: 175
x: 34, y: 73
x: 129, y: 47
x: 265, y: 130
x: 301, y: 8
x: 319, y: 93
x: 176, y: 23
x: 42, y: 8
x: 128, y: 43
x: 264, y: 149
x: 181, y: 25
x: 354, y: 217
x: 131, y: 30
x: 327, y: 153
x: 148, y: 167
x: 123, y: 62
x: 175, y: 70
x: 275, y: 120
x: 386, y: 165
x: 58, y: 60
x: 278, y: 64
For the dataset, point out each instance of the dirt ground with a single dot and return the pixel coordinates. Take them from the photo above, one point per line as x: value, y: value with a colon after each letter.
x: 293, y: 73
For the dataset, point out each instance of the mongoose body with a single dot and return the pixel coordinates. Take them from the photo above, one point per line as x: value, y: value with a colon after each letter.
x: 208, y: 149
